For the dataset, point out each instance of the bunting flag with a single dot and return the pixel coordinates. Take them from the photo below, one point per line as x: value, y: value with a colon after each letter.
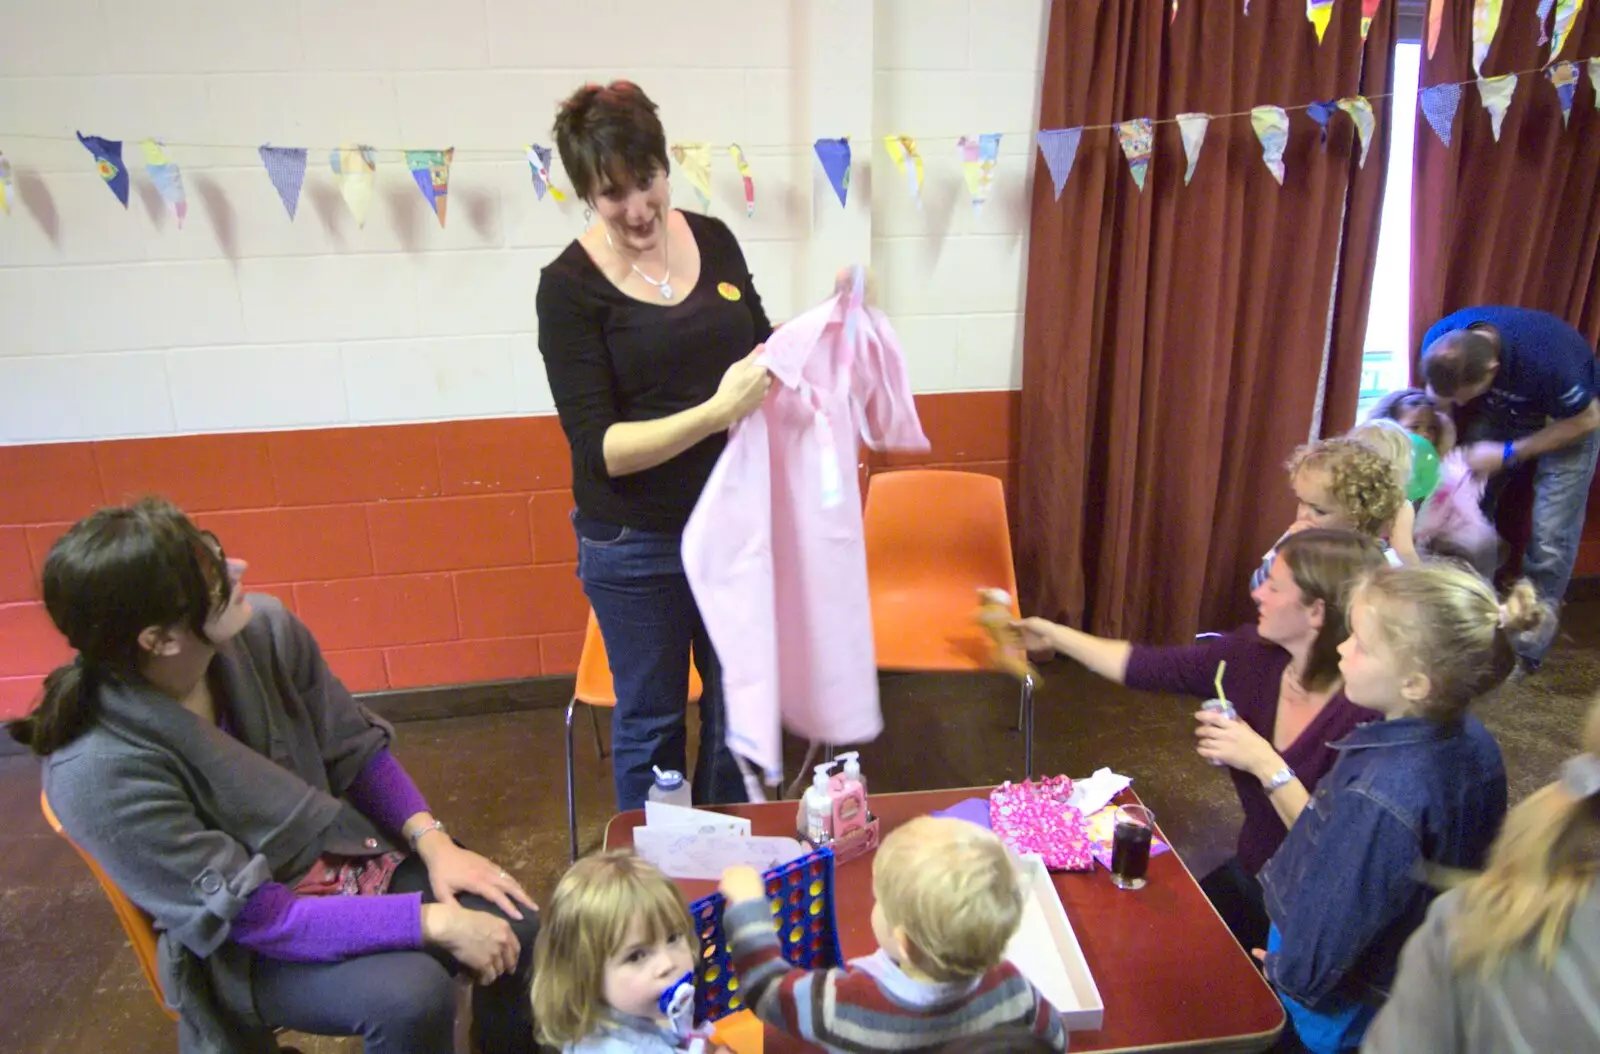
x: 1594, y: 80
x: 1322, y: 112
x: 978, y: 158
x: 1174, y: 16
x: 353, y: 165
x: 1485, y: 24
x: 539, y: 162
x: 695, y: 161
x: 286, y: 167
x: 1564, y: 78
x: 1192, y: 126
x: 1272, y: 128
x: 746, y: 178
x: 903, y: 150
x: 108, y: 157
x: 1319, y: 13
x: 1496, y: 93
x: 1369, y: 9
x: 1435, y: 20
x: 1439, y: 104
x: 1360, y: 111
x: 1060, y: 148
x: 834, y: 154
x: 1247, y: 8
x: 166, y: 177
x: 431, y: 170
x: 1544, y: 20
x: 6, y: 191
x: 1136, y: 137
x: 1566, y: 11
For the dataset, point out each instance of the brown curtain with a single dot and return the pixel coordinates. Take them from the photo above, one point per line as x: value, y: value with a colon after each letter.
x: 1518, y: 221
x: 1175, y: 338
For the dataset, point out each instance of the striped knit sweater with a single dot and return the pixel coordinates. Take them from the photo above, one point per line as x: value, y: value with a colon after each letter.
x: 870, y: 1004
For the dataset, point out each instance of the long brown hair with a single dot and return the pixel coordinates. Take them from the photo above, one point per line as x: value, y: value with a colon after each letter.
x: 1540, y: 869
x: 1325, y: 565
x: 114, y: 574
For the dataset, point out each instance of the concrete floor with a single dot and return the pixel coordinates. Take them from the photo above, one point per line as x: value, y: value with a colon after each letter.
x: 69, y: 982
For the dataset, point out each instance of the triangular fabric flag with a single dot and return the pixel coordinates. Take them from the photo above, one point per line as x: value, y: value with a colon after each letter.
x: 1564, y: 78
x: 1594, y: 80
x: 1544, y: 19
x: 1060, y: 148
x: 1566, y: 11
x: 1322, y: 112
x: 1136, y: 137
x: 353, y: 165
x: 903, y: 151
x: 286, y: 167
x: 108, y: 157
x: 1174, y: 16
x: 835, y: 157
x: 1439, y: 104
x: 1192, y: 126
x: 539, y: 161
x: 1319, y: 12
x: 1369, y: 9
x: 1247, y: 7
x: 1485, y: 24
x: 5, y: 185
x: 978, y: 158
x: 1435, y: 20
x: 744, y: 176
x: 1272, y: 128
x: 166, y: 177
x: 431, y: 170
x: 695, y: 160
x: 1360, y: 111
x: 1496, y: 93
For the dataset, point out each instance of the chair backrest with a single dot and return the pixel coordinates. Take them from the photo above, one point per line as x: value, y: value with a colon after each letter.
x: 139, y: 926
x: 927, y: 525
x: 594, y: 685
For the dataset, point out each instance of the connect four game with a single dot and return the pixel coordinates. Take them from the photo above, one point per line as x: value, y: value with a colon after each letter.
x: 801, y: 896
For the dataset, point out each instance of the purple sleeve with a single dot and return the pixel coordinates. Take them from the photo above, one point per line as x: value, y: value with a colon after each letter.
x: 385, y: 794
x: 278, y: 923
x: 1188, y: 669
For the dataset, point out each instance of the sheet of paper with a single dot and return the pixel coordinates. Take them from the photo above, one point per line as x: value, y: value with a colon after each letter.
x: 1091, y: 795
x: 682, y: 853
x: 659, y: 814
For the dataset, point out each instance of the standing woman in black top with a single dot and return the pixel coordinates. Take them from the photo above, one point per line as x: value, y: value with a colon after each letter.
x: 649, y: 326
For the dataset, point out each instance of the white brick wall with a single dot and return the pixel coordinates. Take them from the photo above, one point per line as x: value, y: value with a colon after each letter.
x: 118, y: 323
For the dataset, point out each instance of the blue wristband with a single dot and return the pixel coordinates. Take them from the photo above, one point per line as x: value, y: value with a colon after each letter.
x: 1508, y: 456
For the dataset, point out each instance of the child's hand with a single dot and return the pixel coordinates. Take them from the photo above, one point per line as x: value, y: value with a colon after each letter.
x: 742, y: 883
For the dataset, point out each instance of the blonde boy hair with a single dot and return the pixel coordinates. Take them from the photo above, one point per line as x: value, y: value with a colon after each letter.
x: 1389, y: 441
x: 1445, y: 622
x: 1361, y: 480
x: 594, y: 906
x: 1541, y: 867
x: 951, y: 887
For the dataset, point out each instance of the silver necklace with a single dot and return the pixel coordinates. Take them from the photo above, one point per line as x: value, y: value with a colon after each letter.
x: 665, y: 285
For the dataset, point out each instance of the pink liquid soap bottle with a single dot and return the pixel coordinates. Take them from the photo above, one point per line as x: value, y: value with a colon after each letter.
x: 854, y: 828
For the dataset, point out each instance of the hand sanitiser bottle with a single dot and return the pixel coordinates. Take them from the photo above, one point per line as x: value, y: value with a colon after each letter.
x: 816, y: 808
x: 670, y: 787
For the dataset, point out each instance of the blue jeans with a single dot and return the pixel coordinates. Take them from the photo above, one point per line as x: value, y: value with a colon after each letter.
x: 647, y: 614
x: 1561, y: 482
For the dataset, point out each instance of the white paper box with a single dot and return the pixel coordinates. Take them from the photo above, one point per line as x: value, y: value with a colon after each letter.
x: 1046, y: 951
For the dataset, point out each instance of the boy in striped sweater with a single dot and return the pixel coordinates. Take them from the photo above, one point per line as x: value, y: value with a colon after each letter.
x: 948, y: 902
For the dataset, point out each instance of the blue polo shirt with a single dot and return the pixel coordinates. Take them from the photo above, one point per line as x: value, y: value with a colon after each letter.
x: 1547, y: 368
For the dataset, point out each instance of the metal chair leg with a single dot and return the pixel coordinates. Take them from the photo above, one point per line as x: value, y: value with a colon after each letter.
x: 572, y: 788
x: 600, y: 750
x: 1027, y: 731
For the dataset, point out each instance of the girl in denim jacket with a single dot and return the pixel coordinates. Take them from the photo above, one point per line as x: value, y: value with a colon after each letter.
x: 1424, y: 788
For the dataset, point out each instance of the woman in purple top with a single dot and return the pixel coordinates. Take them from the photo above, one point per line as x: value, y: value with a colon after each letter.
x: 202, y: 753
x: 1283, y: 680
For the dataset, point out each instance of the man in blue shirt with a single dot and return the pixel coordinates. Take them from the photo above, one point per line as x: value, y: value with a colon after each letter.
x: 1530, y: 379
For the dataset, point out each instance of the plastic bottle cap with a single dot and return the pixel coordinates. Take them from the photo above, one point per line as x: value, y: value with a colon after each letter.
x: 819, y: 777
x: 852, y: 762
x: 667, y: 779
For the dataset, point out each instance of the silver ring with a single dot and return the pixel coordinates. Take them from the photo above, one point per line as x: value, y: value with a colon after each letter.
x: 504, y: 875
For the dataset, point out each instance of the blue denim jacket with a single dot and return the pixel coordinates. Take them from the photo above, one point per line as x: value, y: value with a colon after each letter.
x: 1348, y: 885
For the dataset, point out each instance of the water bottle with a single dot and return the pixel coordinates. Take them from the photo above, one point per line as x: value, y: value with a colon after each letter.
x: 670, y: 788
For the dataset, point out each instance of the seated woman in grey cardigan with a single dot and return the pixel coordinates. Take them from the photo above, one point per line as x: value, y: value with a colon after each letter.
x: 201, y: 751
x: 1282, y: 678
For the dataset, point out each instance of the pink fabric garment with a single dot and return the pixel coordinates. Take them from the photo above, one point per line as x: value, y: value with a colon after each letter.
x: 1035, y: 818
x: 774, y: 550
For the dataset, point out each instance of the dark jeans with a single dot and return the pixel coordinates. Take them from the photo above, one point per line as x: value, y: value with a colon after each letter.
x: 1238, y: 898
x: 647, y: 615
x: 403, y: 1002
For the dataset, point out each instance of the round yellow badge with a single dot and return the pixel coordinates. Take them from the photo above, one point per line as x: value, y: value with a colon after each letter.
x: 729, y: 291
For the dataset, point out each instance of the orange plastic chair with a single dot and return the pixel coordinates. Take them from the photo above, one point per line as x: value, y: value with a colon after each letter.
x: 139, y: 926
x: 934, y: 539
x: 594, y: 689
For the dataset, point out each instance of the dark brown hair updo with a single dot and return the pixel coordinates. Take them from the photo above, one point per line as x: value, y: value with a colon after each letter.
x: 609, y: 135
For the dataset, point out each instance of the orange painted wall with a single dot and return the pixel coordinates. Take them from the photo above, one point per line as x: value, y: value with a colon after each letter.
x: 420, y: 555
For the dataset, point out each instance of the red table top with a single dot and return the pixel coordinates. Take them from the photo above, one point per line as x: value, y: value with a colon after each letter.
x: 1169, y: 972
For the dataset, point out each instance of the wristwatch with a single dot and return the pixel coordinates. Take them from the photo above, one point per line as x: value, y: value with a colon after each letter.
x: 1282, y: 777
